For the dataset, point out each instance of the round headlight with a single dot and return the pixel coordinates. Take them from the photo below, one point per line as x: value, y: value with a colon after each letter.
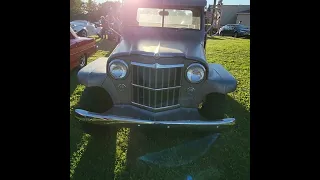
x: 118, y: 69
x: 195, y: 73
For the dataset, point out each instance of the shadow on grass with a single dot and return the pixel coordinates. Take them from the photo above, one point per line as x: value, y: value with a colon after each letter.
x: 215, y: 38
x: 98, y: 159
x: 228, y: 155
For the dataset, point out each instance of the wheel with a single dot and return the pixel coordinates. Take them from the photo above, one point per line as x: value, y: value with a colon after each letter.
x: 82, y: 61
x: 83, y: 33
x: 95, y: 99
x: 235, y: 34
x: 214, y: 106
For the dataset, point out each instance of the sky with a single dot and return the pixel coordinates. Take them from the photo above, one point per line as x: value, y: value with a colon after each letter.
x: 225, y: 2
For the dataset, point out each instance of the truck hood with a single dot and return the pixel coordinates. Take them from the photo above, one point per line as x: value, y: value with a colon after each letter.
x: 163, y: 48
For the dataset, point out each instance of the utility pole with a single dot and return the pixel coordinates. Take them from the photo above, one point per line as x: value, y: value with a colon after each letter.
x: 212, y: 17
x: 219, y: 13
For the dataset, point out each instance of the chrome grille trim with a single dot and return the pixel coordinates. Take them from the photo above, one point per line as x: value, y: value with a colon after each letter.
x: 157, y: 66
x: 156, y: 86
x: 160, y: 108
x: 155, y: 89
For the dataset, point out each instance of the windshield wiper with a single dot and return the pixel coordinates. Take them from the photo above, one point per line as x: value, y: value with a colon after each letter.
x: 180, y: 29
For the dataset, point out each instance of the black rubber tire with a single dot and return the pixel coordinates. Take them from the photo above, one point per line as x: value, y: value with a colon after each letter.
x: 214, y: 106
x: 82, y: 32
x: 85, y: 63
x: 95, y: 99
x: 235, y: 34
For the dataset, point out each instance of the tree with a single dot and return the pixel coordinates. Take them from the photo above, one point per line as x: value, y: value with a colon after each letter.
x: 76, y: 8
x: 92, y: 10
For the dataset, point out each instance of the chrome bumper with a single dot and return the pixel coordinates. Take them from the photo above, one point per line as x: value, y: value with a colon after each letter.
x: 112, y: 117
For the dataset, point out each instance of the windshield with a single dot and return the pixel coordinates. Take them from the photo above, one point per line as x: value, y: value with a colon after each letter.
x: 169, y: 18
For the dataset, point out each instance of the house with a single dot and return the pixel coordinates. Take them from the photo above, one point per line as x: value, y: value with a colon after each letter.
x: 231, y: 14
x: 244, y: 17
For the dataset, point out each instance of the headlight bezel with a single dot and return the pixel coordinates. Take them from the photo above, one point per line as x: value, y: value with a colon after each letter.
x: 196, y: 65
x: 123, y: 63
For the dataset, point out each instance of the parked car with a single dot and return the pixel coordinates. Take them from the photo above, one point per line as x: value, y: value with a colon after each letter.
x: 158, y: 74
x: 80, y: 49
x: 84, y: 28
x: 235, y: 30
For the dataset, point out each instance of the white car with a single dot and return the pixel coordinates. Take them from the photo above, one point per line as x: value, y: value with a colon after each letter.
x: 84, y: 28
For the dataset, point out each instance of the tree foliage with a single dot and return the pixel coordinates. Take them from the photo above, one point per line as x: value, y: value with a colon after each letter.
x: 91, y: 10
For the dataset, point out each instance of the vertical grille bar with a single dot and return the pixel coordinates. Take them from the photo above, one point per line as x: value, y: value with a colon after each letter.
x: 155, y: 94
x: 174, y: 84
x: 179, y: 92
x: 138, y: 89
x: 162, y: 78
x: 132, y: 80
x: 168, y: 86
x: 143, y: 83
x: 149, y: 86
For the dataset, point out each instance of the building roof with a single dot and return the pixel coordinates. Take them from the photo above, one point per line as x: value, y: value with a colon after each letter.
x: 244, y: 12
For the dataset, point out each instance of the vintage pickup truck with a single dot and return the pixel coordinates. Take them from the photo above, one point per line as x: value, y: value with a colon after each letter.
x: 158, y: 75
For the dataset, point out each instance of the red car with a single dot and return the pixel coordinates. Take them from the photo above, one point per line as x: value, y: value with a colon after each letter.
x: 80, y: 49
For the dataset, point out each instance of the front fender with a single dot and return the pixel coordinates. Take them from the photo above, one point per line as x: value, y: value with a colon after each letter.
x: 95, y: 75
x: 219, y: 80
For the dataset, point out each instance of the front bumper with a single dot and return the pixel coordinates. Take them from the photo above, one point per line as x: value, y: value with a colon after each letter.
x: 130, y: 116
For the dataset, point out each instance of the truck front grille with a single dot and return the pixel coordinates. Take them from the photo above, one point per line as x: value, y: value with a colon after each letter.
x: 156, y: 86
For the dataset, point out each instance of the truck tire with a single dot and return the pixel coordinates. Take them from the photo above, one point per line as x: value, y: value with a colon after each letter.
x: 95, y: 99
x: 214, y: 106
x: 82, y: 33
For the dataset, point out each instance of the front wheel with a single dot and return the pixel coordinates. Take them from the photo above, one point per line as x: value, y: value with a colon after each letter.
x: 214, y: 106
x: 82, y: 61
x: 95, y: 99
x: 83, y: 33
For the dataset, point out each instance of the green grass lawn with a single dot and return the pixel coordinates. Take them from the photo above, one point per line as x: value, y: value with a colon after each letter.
x: 115, y: 156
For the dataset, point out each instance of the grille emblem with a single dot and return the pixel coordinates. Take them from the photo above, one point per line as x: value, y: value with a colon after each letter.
x: 121, y: 87
x: 190, y: 90
x: 156, y: 55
